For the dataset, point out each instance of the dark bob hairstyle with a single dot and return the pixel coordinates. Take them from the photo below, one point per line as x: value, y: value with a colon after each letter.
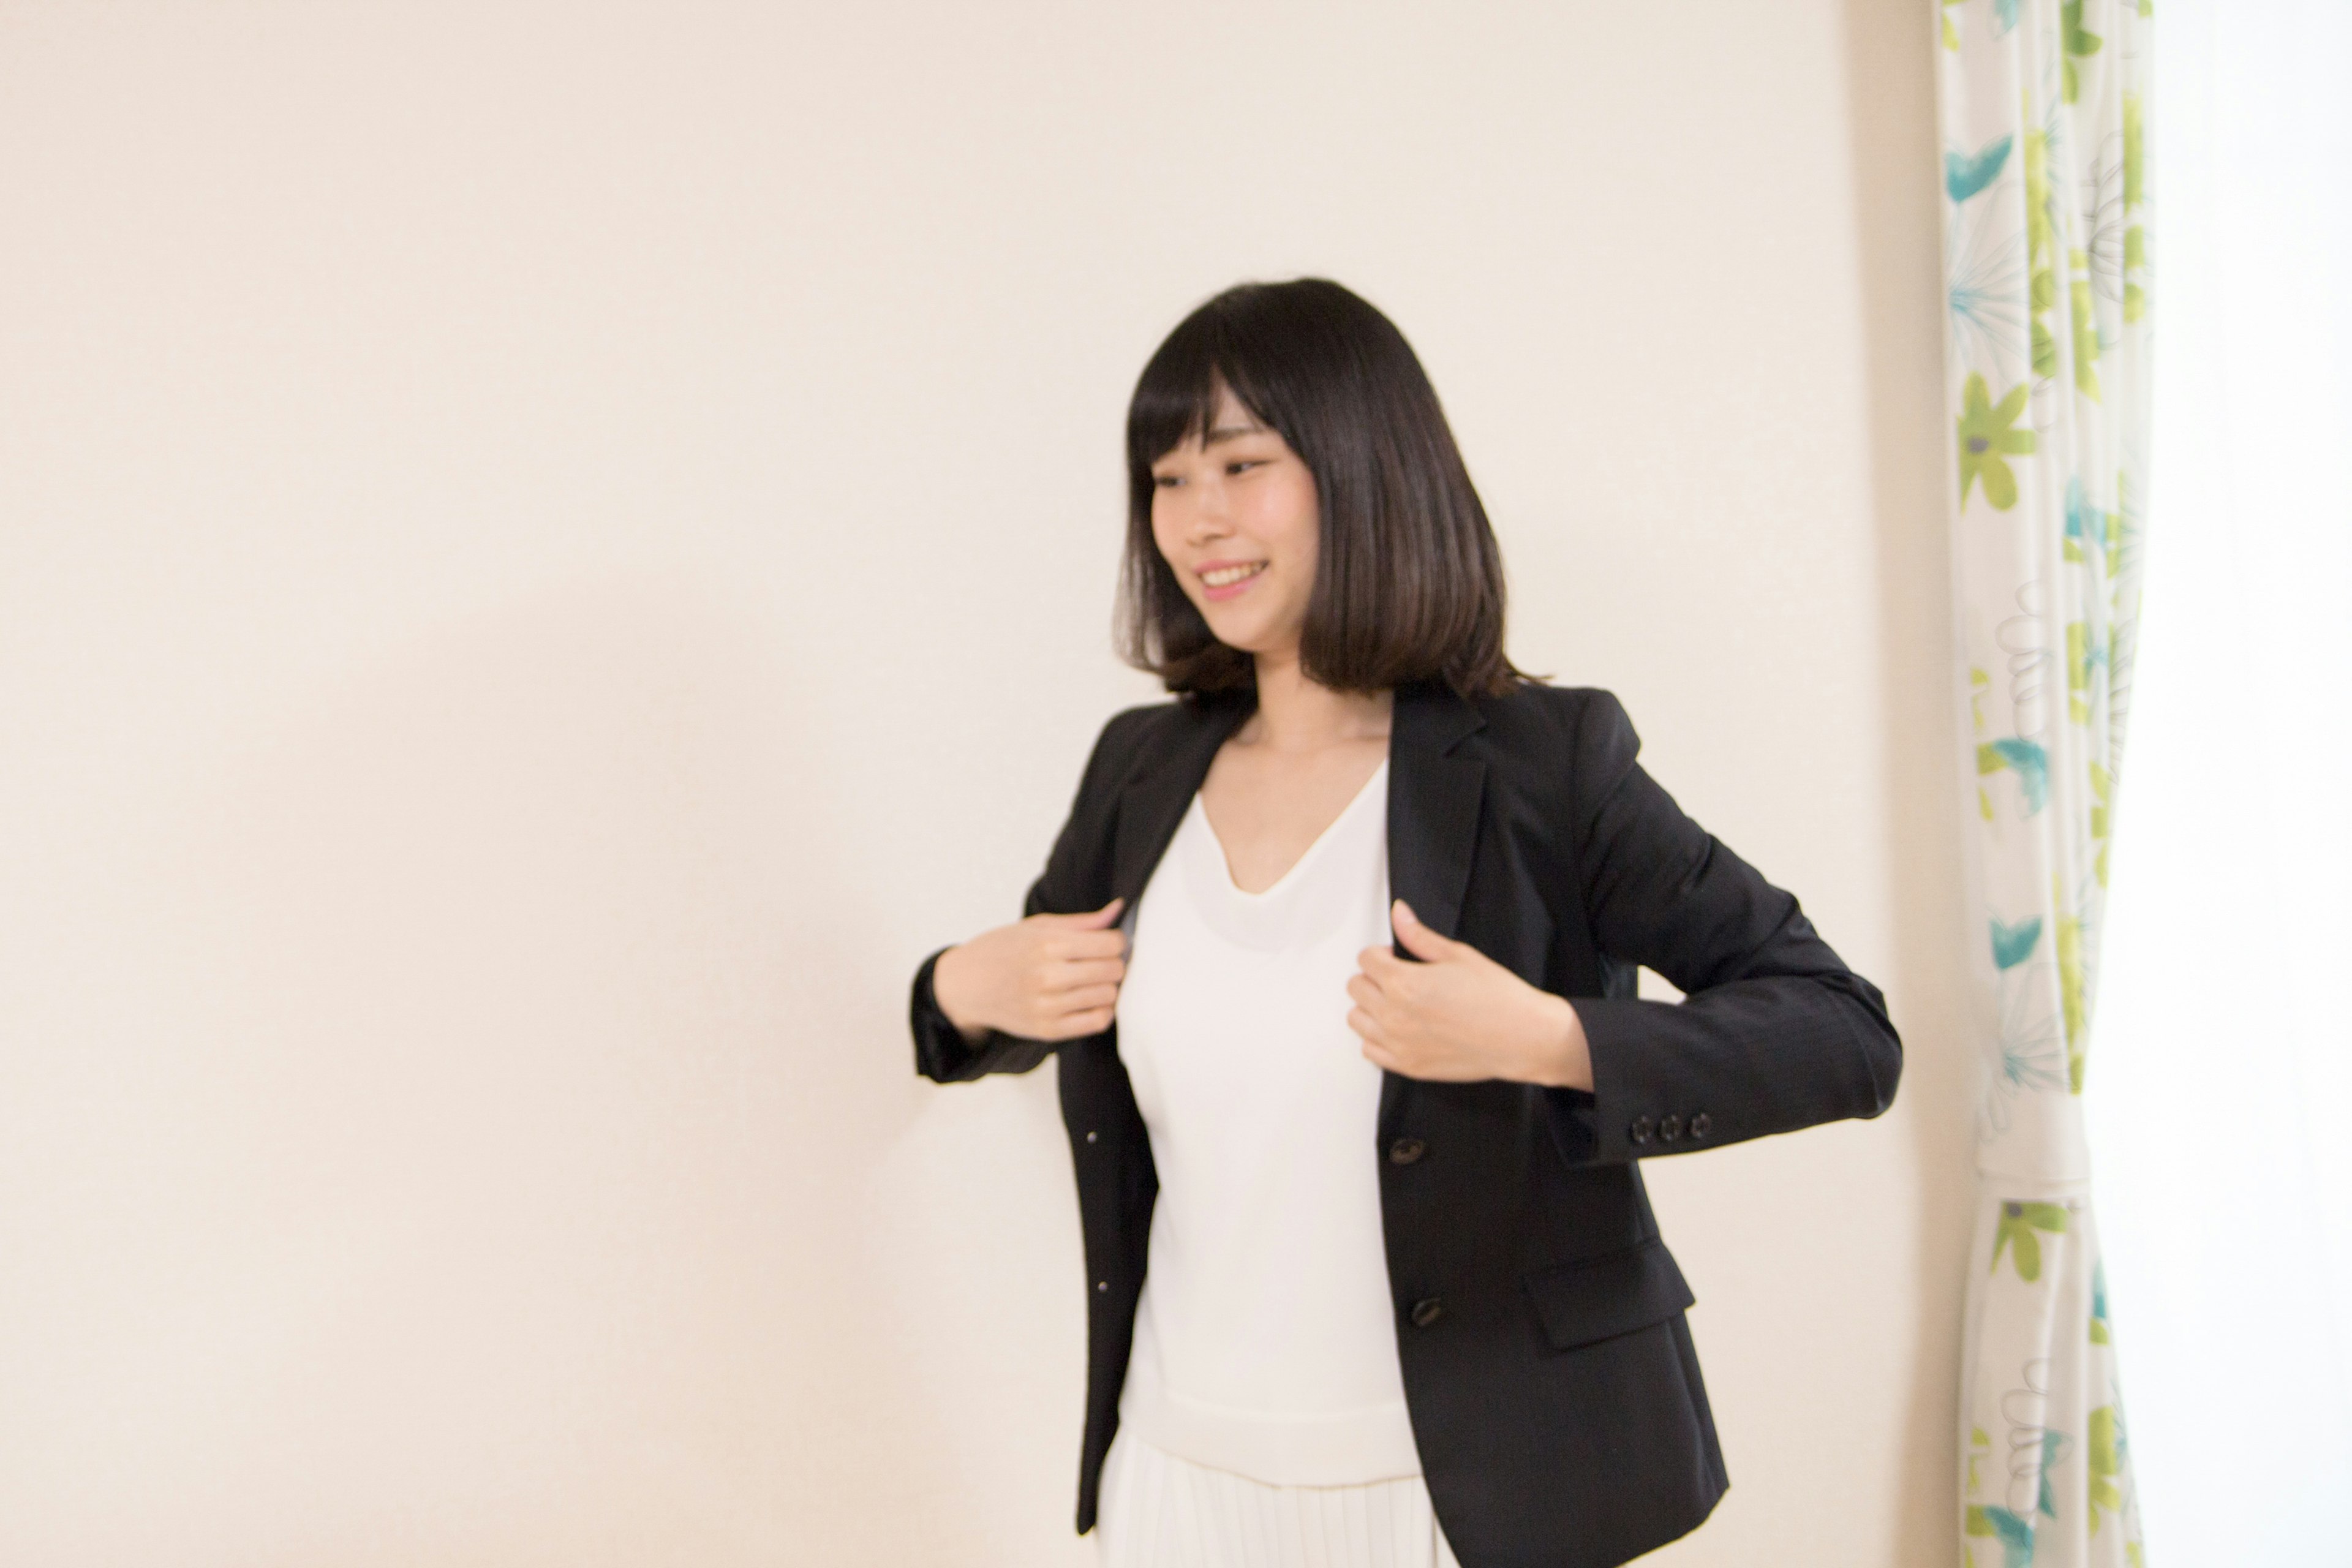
x: 1408, y: 579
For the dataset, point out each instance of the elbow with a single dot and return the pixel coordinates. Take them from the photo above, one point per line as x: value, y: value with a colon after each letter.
x: 1885, y: 1058
x: 1878, y: 1050
x: 1882, y: 1060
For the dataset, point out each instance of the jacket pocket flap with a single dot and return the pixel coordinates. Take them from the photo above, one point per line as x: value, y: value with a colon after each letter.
x: 1601, y: 1298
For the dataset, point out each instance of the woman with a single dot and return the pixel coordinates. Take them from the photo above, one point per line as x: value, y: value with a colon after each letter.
x: 1337, y: 951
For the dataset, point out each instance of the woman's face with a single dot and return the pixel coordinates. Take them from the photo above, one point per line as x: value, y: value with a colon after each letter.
x: 1236, y: 515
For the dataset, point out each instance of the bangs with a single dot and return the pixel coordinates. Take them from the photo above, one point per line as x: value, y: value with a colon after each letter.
x: 1176, y: 396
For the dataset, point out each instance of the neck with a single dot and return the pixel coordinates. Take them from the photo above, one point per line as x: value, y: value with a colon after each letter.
x: 1297, y: 714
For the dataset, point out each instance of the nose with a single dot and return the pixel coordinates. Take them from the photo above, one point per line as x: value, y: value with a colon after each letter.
x: 1211, y: 515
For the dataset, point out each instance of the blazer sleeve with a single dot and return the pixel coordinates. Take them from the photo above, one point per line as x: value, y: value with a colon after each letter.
x: 1774, y: 1032
x: 941, y: 1052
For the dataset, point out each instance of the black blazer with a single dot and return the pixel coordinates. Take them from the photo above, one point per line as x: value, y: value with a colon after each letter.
x: 1554, y: 1393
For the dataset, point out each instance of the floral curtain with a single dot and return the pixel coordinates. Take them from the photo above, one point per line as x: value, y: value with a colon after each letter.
x: 2042, y: 109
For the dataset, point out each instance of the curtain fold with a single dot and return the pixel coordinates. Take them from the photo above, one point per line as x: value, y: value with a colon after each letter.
x: 2042, y: 106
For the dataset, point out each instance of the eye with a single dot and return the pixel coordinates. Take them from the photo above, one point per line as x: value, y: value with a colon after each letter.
x: 1166, y: 481
x: 1238, y: 464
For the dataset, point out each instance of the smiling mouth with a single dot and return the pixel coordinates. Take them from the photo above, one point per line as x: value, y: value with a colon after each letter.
x: 1226, y: 576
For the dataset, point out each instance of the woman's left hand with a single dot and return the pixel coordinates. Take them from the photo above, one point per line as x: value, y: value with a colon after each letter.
x: 1460, y: 1016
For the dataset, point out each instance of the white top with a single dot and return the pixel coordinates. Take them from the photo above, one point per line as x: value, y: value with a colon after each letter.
x: 1264, y: 1342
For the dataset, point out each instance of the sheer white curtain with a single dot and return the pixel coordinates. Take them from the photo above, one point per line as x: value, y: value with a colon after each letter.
x: 2220, y: 1121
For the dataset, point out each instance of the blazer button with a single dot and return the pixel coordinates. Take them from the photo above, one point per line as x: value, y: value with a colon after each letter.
x: 1102, y: 1287
x: 1701, y: 1124
x: 1405, y: 1151
x: 1091, y: 1137
x: 1427, y: 1313
x: 1670, y: 1127
x: 1641, y: 1130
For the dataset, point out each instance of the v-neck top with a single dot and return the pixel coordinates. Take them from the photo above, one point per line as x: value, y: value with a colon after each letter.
x: 1264, y: 1341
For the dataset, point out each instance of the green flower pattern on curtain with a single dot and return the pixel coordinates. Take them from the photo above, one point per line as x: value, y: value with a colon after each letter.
x: 2047, y: 213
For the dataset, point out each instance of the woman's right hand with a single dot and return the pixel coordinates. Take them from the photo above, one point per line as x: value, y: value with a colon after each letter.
x: 1048, y: 977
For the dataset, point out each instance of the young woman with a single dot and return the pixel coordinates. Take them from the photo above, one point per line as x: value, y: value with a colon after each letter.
x: 1337, y: 951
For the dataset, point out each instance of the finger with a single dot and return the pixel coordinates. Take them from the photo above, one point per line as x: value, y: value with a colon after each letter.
x: 1367, y: 1027
x: 1418, y: 938
x: 1085, y: 999
x: 1092, y: 972
x: 1077, y: 1025
x: 1378, y: 1005
x: 1094, y: 917
x: 1085, y: 944
x: 1397, y: 982
x: 1055, y: 1020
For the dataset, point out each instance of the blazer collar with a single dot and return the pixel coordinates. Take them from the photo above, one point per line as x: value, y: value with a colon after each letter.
x: 1434, y: 796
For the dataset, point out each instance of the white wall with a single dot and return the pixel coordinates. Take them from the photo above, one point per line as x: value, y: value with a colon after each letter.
x: 547, y: 557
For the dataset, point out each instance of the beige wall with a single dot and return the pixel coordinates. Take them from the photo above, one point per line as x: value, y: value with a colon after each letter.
x: 547, y: 558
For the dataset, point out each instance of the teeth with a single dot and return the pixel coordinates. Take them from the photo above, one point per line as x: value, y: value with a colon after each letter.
x: 1225, y: 574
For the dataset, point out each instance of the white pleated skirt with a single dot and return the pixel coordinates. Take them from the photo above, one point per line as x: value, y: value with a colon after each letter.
x: 1158, y: 1510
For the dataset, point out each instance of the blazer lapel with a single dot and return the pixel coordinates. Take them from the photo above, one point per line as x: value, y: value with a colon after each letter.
x: 1433, y: 804
x: 1433, y: 798
x: 1432, y: 827
x: 1162, y: 783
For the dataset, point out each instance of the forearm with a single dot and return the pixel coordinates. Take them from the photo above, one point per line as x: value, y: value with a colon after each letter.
x: 1740, y: 1060
x: 1774, y: 1033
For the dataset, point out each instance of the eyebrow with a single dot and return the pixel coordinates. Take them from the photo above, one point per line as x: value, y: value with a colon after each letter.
x: 1227, y: 432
